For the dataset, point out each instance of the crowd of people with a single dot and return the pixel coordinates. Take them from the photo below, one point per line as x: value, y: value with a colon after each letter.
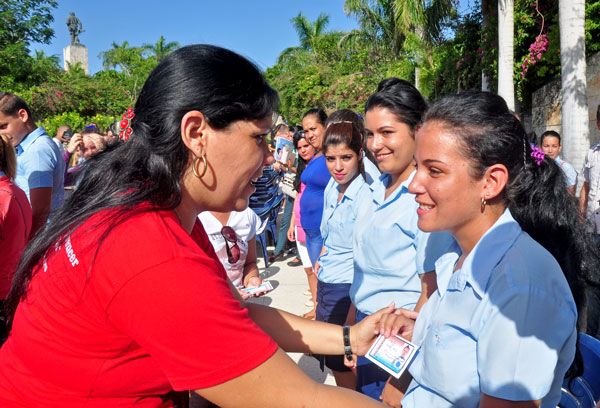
x: 442, y: 224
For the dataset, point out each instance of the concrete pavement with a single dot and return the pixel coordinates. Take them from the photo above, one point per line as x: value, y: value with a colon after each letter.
x: 289, y: 284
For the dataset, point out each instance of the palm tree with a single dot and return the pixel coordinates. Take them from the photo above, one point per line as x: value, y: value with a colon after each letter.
x: 122, y: 56
x: 410, y: 24
x: 309, y: 34
x: 506, y: 24
x: 575, y: 120
x: 377, y: 25
x: 161, y: 48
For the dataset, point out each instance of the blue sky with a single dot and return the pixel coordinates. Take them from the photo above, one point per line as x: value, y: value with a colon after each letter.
x: 259, y: 29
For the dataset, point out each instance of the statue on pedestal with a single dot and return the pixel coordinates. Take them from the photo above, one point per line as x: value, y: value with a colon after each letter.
x: 75, y: 28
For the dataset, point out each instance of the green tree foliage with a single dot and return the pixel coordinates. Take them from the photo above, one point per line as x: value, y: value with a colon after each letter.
x: 53, y: 93
x: 26, y: 21
x: 592, y: 27
x: 21, y: 23
x: 161, y: 48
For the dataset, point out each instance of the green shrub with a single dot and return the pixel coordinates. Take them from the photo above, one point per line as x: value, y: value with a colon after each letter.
x: 75, y: 120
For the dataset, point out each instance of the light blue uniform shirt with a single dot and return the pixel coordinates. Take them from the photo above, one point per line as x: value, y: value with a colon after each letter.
x: 390, y: 250
x: 503, y: 325
x: 569, y: 170
x: 40, y: 164
x: 372, y: 173
x: 337, y: 224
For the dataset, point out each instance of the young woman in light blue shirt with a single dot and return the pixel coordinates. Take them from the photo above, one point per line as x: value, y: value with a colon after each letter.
x: 393, y: 259
x: 501, y: 328
x: 342, y: 148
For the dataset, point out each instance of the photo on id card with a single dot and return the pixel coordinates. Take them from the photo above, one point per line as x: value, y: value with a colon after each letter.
x: 392, y: 354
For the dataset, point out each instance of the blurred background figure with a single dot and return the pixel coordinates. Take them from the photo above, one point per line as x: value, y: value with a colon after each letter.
x: 83, y: 146
x: 551, y: 146
x: 295, y: 232
x: 233, y: 236
x: 112, y: 133
x: 63, y: 135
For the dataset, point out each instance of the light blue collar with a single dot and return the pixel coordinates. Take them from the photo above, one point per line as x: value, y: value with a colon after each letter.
x: 30, y: 138
x: 379, y: 188
x: 353, y: 189
x: 478, y: 265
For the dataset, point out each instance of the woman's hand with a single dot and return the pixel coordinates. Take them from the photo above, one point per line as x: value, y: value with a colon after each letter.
x: 291, y: 236
x: 401, y: 322
x: 363, y: 333
x: 75, y: 142
x: 254, y: 282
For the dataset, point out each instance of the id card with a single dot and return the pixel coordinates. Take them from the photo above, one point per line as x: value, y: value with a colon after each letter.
x: 392, y: 354
x: 262, y: 288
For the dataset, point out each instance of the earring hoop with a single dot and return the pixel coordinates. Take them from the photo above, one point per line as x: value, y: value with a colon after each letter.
x: 195, y: 166
x: 483, y: 203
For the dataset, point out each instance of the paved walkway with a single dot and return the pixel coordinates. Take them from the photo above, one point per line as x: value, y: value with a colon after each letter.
x: 289, y: 284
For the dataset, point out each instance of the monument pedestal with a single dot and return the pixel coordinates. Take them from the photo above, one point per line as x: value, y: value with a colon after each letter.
x: 75, y: 53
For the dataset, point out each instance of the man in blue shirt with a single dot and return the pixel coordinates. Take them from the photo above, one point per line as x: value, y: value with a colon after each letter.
x: 40, y: 168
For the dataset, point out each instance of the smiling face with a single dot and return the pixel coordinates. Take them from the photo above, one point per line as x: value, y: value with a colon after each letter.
x: 449, y: 196
x: 342, y: 163
x: 236, y: 155
x: 314, y: 131
x: 551, y: 146
x: 391, y: 141
x: 305, y: 149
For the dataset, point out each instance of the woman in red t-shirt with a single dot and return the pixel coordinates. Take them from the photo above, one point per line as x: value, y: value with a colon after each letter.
x: 15, y: 222
x: 122, y: 299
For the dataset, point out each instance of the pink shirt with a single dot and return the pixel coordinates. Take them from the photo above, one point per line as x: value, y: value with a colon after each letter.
x: 15, y: 226
x: 300, y: 235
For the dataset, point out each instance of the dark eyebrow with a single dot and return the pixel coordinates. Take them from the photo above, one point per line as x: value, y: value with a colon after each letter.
x: 432, y: 161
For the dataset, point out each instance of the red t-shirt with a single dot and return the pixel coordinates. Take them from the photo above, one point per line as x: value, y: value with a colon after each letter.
x: 151, y: 313
x: 15, y: 225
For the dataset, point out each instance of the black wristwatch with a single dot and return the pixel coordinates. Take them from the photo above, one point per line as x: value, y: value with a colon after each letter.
x: 347, y: 348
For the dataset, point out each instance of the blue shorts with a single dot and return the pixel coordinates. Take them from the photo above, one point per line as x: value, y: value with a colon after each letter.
x: 370, y: 379
x: 333, y: 304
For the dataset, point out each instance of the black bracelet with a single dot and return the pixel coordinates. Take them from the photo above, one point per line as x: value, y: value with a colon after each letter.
x: 347, y: 348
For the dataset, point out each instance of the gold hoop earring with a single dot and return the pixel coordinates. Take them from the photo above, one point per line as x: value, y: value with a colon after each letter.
x: 195, y: 166
x: 483, y: 204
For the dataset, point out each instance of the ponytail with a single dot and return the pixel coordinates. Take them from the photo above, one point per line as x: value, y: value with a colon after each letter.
x: 536, y: 192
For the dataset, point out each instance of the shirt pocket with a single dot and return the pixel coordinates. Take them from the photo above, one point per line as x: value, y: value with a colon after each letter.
x: 386, y: 249
x: 450, y: 355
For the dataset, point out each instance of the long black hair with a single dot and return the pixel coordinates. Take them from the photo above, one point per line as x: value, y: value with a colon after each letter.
x: 299, y: 135
x: 148, y: 168
x: 536, y: 194
x: 401, y: 98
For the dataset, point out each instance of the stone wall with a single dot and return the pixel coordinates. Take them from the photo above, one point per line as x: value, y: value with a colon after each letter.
x: 545, y: 114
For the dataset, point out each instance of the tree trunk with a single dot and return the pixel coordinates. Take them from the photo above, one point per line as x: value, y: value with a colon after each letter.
x: 419, y: 56
x: 485, y: 14
x: 575, y: 119
x: 506, y: 24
